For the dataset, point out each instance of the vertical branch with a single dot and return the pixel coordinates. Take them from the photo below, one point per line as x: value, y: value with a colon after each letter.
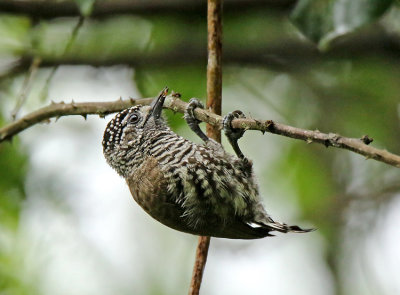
x: 199, y: 264
x: 214, y: 67
x: 214, y: 101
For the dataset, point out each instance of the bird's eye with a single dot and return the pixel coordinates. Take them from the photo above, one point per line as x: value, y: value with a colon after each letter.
x: 133, y: 118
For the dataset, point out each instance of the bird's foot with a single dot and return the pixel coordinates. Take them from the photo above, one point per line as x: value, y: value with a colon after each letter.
x: 191, y: 119
x: 230, y: 132
x: 233, y: 134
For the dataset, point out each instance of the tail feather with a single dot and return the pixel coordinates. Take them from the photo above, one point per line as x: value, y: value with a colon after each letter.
x: 284, y: 228
x: 254, y: 230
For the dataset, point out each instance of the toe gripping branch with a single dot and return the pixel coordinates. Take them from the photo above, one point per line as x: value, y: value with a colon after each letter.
x: 191, y: 119
x: 233, y: 134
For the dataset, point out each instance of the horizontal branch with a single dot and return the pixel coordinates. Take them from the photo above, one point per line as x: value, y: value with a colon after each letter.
x: 56, y: 110
x: 356, y: 145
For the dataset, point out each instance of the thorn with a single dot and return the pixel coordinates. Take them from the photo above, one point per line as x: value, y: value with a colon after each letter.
x: 309, y: 140
x: 52, y: 102
x: 259, y: 124
x: 58, y: 117
x: 366, y: 139
x: 269, y: 124
x: 333, y: 137
x: 73, y: 104
x: 102, y: 115
x: 120, y: 98
x: 176, y: 94
x: 84, y: 116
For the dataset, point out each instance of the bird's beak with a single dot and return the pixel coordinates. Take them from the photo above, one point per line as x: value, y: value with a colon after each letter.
x: 157, y: 104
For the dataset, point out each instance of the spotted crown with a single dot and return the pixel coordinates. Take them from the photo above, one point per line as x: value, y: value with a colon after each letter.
x: 114, y: 130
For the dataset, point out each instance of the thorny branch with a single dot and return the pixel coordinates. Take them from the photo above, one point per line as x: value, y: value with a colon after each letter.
x: 57, y: 110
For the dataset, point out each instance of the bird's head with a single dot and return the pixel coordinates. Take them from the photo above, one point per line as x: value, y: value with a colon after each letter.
x: 129, y: 128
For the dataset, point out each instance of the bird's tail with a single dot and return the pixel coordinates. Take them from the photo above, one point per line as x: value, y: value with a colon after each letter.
x: 284, y: 228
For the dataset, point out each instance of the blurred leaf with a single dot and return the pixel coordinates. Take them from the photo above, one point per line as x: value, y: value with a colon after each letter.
x: 306, y: 167
x: 363, y: 95
x: 13, y: 33
x: 258, y: 29
x: 188, y: 80
x: 323, y: 21
x: 12, y: 196
x: 12, y: 173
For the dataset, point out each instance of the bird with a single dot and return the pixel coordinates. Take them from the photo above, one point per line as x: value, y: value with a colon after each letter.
x: 198, y: 189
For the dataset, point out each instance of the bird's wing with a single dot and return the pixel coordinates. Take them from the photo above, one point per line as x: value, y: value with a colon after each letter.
x: 149, y: 188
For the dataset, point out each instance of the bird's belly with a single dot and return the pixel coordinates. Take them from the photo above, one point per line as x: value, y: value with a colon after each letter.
x: 158, y: 207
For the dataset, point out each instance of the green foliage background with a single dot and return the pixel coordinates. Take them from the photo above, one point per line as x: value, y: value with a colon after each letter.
x: 346, y: 90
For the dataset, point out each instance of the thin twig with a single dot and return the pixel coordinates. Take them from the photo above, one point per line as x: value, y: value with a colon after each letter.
x: 71, y: 40
x: 214, y: 102
x: 57, y: 110
x: 26, y: 86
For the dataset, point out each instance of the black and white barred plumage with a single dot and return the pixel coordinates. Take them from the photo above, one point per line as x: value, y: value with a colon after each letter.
x: 198, y: 189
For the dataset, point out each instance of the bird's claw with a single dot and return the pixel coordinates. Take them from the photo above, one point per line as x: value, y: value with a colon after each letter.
x: 233, y: 134
x: 189, y: 113
x: 191, y: 119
